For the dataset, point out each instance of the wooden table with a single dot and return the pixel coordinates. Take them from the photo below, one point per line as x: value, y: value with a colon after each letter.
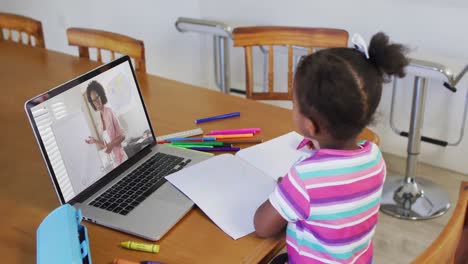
x: 27, y: 194
x: 26, y: 191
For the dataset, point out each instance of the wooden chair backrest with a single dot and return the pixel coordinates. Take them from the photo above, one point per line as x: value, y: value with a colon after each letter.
x: 451, y: 246
x: 28, y: 29
x: 86, y: 38
x: 310, y: 38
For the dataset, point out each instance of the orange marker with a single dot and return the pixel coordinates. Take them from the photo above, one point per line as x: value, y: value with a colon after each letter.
x: 123, y: 261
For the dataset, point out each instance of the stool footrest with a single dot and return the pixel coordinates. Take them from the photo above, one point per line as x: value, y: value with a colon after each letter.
x: 428, y: 139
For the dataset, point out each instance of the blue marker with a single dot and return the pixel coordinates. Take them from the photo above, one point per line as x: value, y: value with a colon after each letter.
x: 198, y: 139
x: 198, y: 121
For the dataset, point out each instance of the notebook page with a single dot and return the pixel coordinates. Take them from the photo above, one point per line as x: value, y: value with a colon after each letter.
x: 275, y: 156
x: 227, y: 189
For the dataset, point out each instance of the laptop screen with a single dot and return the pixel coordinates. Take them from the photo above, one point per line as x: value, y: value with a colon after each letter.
x: 90, y: 126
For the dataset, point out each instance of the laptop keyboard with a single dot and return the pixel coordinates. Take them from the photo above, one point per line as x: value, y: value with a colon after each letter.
x: 134, y: 188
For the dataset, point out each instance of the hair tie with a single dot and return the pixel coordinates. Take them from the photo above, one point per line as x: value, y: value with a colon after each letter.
x: 360, y: 44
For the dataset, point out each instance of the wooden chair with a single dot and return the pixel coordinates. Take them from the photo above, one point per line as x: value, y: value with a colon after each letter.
x: 451, y: 246
x: 290, y: 37
x: 115, y: 43
x: 26, y: 27
x: 310, y: 38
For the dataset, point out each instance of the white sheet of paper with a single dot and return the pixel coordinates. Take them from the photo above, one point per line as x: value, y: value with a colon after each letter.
x: 227, y: 189
x: 275, y: 156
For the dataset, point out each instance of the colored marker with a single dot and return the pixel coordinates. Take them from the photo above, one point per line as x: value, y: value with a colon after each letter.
x: 193, y: 140
x: 208, y: 143
x: 198, y: 139
x: 212, y: 118
x: 233, y: 136
x: 192, y: 146
x: 230, y: 133
x: 123, y: 261
x: 152, y: 248
x: 235, y: 131
x: 303, y: 143
x: 188, y: 149
x: 215, y: 149
x: 175, y: 146
x: 243, y: 141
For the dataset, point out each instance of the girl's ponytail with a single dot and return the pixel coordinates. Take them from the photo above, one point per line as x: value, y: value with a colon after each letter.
x: 388, y: 58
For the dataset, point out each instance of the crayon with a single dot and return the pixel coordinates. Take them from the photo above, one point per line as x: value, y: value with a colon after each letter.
x: 153, y: 248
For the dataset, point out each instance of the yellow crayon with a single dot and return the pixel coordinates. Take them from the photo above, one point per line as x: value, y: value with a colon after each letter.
x: 152, y: 248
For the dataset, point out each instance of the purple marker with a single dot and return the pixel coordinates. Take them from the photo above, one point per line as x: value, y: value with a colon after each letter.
x: 202, y: 120
x: 215, y: 149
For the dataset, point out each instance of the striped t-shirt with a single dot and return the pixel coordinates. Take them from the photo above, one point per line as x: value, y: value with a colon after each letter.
x: 331, y: 201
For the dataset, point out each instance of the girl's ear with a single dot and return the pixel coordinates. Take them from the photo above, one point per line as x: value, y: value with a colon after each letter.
x: 311, y: 127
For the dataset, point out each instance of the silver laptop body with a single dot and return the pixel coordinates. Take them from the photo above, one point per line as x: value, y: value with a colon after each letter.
x: 87, y: 176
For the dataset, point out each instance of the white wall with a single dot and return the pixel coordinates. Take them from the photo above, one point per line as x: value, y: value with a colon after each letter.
x: 168, y: 53
x: 434, y: 30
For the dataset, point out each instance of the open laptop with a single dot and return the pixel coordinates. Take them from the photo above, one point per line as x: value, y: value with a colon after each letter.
x: 101, y: 153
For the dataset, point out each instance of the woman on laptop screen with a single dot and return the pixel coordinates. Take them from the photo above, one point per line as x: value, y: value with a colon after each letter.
x: 110, y: 130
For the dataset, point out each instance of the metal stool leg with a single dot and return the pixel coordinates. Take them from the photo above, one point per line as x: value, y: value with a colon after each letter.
x: 404, y: 197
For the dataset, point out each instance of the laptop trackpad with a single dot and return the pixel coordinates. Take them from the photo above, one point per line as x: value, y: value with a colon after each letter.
x: 170, y: 194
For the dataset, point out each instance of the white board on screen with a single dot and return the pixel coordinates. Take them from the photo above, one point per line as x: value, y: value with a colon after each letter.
x: 81, y: 160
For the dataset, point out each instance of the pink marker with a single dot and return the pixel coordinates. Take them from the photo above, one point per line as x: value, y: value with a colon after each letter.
x: 303, y: 143
x: 235, y: 131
